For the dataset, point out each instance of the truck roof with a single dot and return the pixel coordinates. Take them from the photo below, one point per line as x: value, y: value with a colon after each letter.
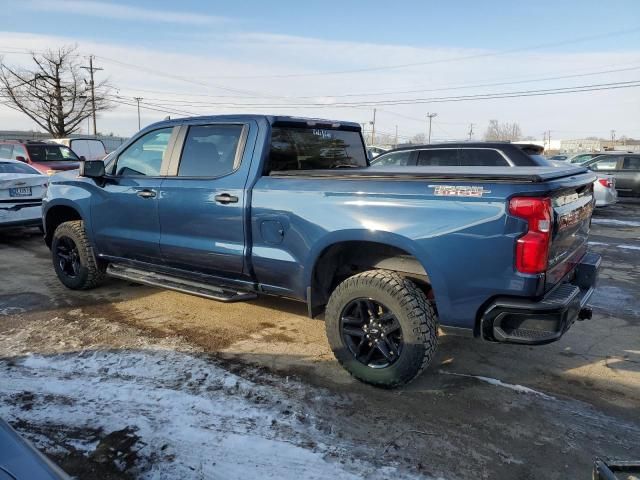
x: 272, y: 119
x: 498, y: 145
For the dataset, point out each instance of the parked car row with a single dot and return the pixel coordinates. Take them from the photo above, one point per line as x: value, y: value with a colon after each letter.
x: 611, y: 169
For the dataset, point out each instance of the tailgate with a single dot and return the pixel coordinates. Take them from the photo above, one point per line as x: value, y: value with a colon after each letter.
x: 572, y: 209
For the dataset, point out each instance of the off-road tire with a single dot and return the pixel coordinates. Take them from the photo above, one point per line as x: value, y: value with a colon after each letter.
x: 91, y: 273
x: 414, y: 312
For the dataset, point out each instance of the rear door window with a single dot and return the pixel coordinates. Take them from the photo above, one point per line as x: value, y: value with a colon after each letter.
x: 438, y: 158
x: 480, y: 157
x: 631, y: 163
x: 210, y: 151
x: 309, y: 148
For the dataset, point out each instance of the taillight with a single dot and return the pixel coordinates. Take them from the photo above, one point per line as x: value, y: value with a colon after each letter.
x: 532, y: 249
x: 606, y: 182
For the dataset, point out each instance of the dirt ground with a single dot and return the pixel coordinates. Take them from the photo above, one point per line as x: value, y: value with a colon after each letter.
x: 481, y: 410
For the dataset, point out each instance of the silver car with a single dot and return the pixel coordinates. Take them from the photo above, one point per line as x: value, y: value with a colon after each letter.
x: 604, y: 190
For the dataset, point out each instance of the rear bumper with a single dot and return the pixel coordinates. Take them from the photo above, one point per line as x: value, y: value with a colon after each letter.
x: 516, y: 320
x: 20, y: 215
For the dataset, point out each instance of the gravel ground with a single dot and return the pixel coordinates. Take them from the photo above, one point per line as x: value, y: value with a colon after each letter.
x: 127, y: 381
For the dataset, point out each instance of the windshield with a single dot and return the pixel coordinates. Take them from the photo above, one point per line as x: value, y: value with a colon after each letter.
x: 6, y: 167
x: 315, y: 148
x: 51, y: 153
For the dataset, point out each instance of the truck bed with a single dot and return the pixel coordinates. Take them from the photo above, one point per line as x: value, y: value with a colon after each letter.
x: 489, y: 174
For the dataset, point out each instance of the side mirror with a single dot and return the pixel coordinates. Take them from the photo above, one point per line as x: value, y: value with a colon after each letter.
x: 20, y: 158
x: 83, y: 158
x: 92, y: 169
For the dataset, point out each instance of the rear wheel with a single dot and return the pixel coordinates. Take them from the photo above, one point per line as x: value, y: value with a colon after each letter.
x: 381, y: 328
x: 73, y: 257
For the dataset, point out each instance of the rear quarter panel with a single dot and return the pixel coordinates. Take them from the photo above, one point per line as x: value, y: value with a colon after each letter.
x: 466, y: 245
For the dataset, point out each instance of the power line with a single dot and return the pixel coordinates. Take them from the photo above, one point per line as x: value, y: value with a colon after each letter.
x: 438, y: 61
x: 413, y: 101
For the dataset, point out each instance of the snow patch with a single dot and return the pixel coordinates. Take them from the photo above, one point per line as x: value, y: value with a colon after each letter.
x: 500, y: 383
x: 615, y: 222
x: 630, y: 247
x: 194, y: 418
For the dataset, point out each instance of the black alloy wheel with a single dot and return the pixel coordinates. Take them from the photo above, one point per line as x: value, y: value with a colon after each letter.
x: 371, y: 332
x: 68, y: 257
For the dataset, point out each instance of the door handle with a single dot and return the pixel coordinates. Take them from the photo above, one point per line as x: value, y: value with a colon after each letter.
x: 225, y: 198
x: 146, y: 193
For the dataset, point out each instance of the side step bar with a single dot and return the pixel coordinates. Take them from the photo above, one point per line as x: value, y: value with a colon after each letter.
x: 178, y: 284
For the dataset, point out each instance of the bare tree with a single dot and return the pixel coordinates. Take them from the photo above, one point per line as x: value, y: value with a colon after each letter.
x: 419, y: 139
x: 55, y: 94
x: 506, y: 131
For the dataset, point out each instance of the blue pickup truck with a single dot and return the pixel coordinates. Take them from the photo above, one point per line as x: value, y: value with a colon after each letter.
x: 229, y: 207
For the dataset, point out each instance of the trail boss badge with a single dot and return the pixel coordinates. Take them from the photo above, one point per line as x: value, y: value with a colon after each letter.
x: 458, y: 191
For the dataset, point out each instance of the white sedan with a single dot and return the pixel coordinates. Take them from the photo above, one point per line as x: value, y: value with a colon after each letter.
x: 21, y: 190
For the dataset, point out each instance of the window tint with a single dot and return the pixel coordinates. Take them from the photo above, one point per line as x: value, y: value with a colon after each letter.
x: 144, y: 156
x: 17, y: 168
x: 631, y: 163
x: 395, y: 158
x: 476, y: 157
x: 51, y: 153
x: 438, y: 158
x: 5, y: 150
x: 315, y: 148
x: 605, y: 164
x: 210, y: 150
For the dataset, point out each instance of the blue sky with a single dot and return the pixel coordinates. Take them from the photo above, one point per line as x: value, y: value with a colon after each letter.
x: 190, y: 50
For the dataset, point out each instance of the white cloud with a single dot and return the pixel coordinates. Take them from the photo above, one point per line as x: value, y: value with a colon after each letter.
x: 193, y: 78
x: 123, y: 12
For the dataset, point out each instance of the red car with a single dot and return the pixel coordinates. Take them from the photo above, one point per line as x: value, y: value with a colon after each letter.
x: 48, y: 158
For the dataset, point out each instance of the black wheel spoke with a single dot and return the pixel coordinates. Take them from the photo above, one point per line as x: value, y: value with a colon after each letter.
x: 392, y: 348
x: 373, y: 309
x: 393, y: 327
x: 369, y: 355
x: 354, y: 332
x: 371, y: 332
x: 350, y: 320
x: 68, y: 257
x: 384, y: 349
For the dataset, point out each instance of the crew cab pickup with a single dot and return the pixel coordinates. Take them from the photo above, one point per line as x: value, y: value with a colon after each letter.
x: 229, y: 207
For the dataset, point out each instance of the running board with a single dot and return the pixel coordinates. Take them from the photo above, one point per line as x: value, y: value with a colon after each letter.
x: 178, y: 284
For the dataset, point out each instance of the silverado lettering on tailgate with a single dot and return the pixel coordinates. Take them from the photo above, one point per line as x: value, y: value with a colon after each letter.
x: 459, y: 190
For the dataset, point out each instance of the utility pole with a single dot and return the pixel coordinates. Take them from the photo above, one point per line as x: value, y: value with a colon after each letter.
x: 613, y: 138
x: 549, y: 138
x: 92, y: 69
x: 373, y: 128
x: 430, y: 117
x: 138, y: 100
x: 396, y: 144
x: 470, y: 131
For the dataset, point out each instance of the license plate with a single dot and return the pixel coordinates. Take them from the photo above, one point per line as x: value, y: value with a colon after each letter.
x: 20, y: 192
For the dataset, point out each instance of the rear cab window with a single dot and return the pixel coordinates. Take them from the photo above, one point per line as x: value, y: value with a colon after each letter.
x: 308, y: 148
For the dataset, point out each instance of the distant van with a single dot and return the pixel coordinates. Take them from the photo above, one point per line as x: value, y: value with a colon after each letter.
x: 89, y: 148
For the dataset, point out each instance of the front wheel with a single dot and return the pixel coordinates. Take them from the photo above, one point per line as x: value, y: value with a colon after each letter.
x: 73, y: 258
x: 381, y: 328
